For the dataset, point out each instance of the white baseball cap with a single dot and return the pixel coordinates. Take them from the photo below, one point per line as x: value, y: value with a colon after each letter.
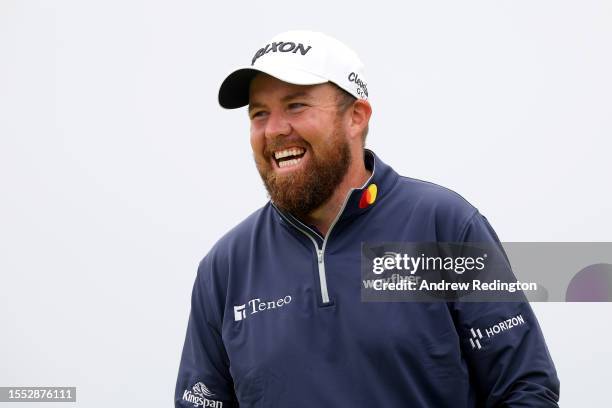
x: 300, y: 58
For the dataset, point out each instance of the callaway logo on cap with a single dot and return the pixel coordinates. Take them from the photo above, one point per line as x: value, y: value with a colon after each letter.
x: 300, y: 58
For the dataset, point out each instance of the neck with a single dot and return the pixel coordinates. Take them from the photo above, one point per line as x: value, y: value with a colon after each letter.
x: 355, y: 177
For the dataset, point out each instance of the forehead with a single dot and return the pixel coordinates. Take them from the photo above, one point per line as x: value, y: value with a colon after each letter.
x: 265, y: 89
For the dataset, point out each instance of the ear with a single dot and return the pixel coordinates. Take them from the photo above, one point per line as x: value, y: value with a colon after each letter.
x: 360, y: 117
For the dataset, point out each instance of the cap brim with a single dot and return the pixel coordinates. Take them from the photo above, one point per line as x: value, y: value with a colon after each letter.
x: 234, y: 90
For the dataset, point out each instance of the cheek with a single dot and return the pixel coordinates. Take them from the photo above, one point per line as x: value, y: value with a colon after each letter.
x: 315, y: 129
x: 257, y: 140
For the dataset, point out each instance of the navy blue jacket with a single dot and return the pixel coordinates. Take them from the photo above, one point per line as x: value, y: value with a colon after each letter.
x: 277, y: 318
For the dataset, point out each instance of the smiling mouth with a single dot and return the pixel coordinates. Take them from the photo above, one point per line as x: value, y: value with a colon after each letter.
x: 289, y: 157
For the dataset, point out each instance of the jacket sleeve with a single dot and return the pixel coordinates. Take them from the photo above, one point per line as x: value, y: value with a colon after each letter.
x: 510, y: 365
x: 203, y: 378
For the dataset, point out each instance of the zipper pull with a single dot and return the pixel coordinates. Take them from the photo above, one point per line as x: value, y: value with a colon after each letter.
x: 320, y: 255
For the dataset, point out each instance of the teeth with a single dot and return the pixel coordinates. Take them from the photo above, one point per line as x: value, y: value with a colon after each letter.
x: 288, y: 152
x: 287, y: 163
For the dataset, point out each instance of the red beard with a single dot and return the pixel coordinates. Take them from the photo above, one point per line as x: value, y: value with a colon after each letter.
x: 303, y: 190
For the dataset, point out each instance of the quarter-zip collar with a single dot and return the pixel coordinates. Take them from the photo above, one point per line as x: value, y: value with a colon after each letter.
x: 358, y: 201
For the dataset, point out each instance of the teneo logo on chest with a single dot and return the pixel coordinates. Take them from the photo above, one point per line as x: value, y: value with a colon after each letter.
x: 257, y: 305
x: 281, y: 47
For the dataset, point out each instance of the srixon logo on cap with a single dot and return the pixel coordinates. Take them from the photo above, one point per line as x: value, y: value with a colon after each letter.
x: 281, y: 47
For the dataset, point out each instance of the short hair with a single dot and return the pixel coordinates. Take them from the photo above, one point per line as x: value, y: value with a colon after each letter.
x: 345, y: 100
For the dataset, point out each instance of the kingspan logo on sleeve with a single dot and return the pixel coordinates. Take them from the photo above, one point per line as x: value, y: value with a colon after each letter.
x: 257, y: 305
x: 198, y: 396
x: 494, y: 330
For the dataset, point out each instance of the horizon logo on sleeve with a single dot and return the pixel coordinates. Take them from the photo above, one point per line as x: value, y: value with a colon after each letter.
x: 494, y: 330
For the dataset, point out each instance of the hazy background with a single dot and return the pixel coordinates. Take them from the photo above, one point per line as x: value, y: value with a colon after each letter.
x: 118, y: 170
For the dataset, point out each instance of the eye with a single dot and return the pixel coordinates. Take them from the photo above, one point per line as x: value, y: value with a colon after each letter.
x: 257, y: 114
x: 293, y: 106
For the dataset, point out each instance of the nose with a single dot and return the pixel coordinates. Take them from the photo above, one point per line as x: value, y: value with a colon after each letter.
x: 277, y: 125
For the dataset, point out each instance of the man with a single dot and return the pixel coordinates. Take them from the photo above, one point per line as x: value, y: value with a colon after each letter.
x: 276, y: 316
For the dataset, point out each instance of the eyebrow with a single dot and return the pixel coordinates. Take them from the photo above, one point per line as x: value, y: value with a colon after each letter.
x: 295, y: 95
